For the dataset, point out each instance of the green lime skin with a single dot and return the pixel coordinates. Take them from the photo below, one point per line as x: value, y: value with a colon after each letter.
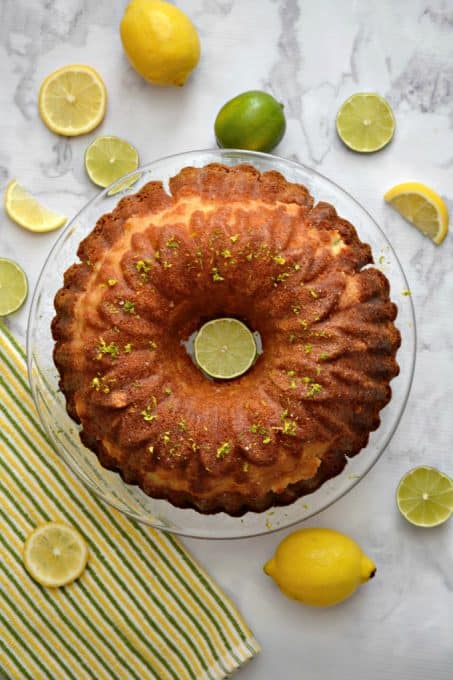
x: 253, y: 120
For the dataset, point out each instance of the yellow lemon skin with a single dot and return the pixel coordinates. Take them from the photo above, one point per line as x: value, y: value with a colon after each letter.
x: 319, y: 567
x: 160, y: 41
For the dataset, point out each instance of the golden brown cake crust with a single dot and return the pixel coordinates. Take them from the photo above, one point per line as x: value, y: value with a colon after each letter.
x: 225, y: 242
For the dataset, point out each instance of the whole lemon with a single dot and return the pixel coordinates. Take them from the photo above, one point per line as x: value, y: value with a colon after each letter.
x: 160, y: 41
x: 253, y: 120
x: 319, y: 567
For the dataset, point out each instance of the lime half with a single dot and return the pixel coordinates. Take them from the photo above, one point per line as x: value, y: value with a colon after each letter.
x: 425, y: 497
x: 108, y: 158
x: 224, y: 348
x: 365, y: 122
x: 13, y: 286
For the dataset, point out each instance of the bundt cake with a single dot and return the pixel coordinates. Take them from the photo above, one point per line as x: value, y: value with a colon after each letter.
x: 225, y: 242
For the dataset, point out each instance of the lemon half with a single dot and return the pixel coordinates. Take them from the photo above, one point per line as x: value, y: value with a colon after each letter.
x: 55, y: 554
x: 72, y: 100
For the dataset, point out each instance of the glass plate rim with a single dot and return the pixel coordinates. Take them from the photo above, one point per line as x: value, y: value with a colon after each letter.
x: 243, y: 154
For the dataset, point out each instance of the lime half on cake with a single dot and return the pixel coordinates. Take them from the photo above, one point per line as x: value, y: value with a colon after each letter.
x: 224, y: 348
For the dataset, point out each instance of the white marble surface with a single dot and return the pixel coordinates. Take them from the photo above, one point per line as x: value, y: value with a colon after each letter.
x: 311, y: 55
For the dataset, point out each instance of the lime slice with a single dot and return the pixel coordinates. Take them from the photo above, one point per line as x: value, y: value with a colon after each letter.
x: 224, y: 348
x: 25, y: 210
x: 365, y: 122
x: 124, y: 184
x: 109, y: 158
x: 55, y: 554
x: 425, y: 497
x: 13, y: 287
x: 72, y: 100
x: 422, y: 207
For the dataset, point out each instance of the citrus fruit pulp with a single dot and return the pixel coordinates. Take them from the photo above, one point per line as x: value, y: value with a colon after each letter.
x: 425, y: 496
x: 422, y: 207
x: 365, y: 122
x: 253, y: 120
x: 108, y: 158
x: 72, y: 100
x: 55, y: 554
x: 224, y: 348
x: 13, y: 287
x: 26, y: 211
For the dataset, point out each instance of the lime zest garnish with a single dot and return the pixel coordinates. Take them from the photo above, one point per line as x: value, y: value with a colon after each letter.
x: 223, y: 450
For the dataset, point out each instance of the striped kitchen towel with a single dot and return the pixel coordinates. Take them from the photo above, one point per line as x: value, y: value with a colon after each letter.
x: 142, y: 609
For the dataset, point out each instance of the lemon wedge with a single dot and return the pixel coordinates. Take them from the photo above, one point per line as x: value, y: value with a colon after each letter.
x: 28, y: 212
x: 72, y: 100
x: 422, y: 207
x: 55, y: 554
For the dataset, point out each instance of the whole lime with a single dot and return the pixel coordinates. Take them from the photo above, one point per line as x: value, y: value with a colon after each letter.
x: 160, y: 41
x: 253, y: 120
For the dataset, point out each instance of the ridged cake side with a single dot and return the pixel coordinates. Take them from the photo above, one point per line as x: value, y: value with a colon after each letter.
x: 225, y: 242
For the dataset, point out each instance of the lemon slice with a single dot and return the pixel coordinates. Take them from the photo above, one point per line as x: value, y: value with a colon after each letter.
x: 422, y: 207
x: 109, y: 158
x: 26, y: 211
x: 425, y: 497
x: 365, y: 122
x: 224, y: 348
x: 13, y: 287
x: 72, y: 100
x: 55, y: 554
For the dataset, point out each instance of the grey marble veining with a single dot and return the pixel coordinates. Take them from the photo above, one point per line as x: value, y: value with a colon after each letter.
x: 311, y: 55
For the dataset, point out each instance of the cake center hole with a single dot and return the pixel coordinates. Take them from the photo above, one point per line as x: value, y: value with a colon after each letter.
x: 224, y: 348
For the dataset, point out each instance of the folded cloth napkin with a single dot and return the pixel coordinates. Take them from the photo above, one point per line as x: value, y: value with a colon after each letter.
x: 142, y: 609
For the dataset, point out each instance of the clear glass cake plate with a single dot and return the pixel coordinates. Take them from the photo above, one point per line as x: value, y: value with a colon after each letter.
x: 130, y: 500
